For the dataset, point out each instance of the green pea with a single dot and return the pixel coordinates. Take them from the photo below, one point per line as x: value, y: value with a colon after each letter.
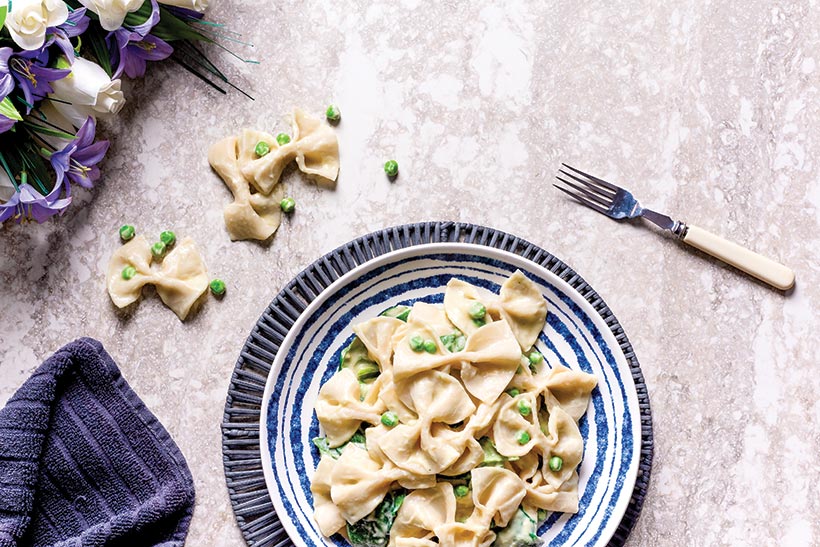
x: 417, y: 343
x: 391, y: 168
x: 390, y: 419
x: 282, y: 139
x: 524, y: 408
x: 127, y: 232
x: 217, y: 287
x: 158, y: 249
x: 461, y: 491
x: 478, y: 310
x: 129, y: 272
x: 430, y: 346
x: 542, y: 515
x: 535, y: 357
x: 513, y: 392
x: 333, y: 114
x: 262, y: 149
x: 168, y: 237
x: 556, y: 463
x: 288, y: 205
x: 522, y: 437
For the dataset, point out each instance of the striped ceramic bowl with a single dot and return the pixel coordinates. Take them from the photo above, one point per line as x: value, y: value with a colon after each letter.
x: 575, y: 335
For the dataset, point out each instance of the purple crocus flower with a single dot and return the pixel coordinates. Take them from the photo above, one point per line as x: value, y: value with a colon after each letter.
x: 134, y: 50
x: 78, y: 160
x: 28, y: 203
x: 6, y: 79
x: 61, y: 35
x: 131, y: 47
x: 30, y: 69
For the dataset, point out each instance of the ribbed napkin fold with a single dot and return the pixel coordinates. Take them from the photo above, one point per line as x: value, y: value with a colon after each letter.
x: 83, y: 462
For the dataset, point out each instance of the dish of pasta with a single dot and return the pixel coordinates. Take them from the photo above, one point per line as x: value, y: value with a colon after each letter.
x: 444, y: 425
x: 446, y: 393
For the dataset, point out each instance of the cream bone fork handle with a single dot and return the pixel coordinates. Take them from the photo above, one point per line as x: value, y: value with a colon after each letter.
x: 616, y: 202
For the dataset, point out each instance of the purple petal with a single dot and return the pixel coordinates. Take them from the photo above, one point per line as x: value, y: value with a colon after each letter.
x: 92, y: 155
x: 134, y: 66
x: 85, y: 135
x: 149, y: 23
x: 6, y: 123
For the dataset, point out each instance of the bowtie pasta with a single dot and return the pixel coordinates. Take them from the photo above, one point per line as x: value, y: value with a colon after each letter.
x: 445, y: 427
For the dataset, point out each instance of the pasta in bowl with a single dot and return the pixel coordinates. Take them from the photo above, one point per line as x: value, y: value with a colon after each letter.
x: 450, y: 395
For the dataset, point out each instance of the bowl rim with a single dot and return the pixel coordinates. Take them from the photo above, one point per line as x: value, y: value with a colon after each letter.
x: 618, y: 512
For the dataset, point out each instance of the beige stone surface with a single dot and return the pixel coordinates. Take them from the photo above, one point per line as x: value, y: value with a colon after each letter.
x: 706, y: 110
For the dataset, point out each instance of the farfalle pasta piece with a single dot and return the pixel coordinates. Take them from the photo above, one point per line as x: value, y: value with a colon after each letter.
x: 377, y: 336
x: 422, y: 512
x: 135, y: 253
x: 491, y: 358
x: 341, y: 411
x: 565, y: 441
x: 180, y: 282
x: 358, y: 483
x: 459, y: 297
x: 250, y: 216
x: 434, y: 317
x: 327, y: 515
x: 465, y: 534
x: 183, y: 278
x: 543, y: 495
x: 427, y: 446
x: 571, y: 389
x: 510, y: 422
x: 314, y: 147
x: 497, y: 493
x: 523, y: 306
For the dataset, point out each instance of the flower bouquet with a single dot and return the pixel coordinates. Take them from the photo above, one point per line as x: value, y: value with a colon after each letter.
x: 60, y: 68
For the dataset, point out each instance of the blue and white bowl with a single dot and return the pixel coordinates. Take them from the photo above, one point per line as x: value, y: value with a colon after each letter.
x: 575, y: 336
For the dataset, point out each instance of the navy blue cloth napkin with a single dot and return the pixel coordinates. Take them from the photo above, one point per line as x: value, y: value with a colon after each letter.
x: 83, y: 462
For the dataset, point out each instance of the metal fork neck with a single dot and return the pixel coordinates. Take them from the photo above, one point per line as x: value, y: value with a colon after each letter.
x: 675, y: 226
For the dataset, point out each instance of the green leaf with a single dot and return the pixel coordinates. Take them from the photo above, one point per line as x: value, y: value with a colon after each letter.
x: 48, y: 131
x: 374, y: 529
x: 7, y: 109
x: 95, y: 38
x: 3, y: 12
x: 171, y: 28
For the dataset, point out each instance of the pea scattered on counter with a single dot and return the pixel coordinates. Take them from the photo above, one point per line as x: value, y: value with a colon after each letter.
x: 217, y: 287
x: 127, y: 232
x: 288, y: 205
x: 391, y: 168
x: 333, y: 114
x: 282, y: 139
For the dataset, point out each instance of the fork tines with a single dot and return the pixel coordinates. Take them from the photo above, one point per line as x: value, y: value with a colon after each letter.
x: 591, y: 191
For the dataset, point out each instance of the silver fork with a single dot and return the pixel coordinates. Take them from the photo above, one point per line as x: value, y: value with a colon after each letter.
x: 616, y: 202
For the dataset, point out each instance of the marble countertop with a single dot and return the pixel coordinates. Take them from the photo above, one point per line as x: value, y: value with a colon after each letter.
x: 708, y: 111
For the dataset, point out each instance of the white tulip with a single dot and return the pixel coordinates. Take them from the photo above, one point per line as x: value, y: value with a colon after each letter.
x: 28, y: 20
x: 89, y: 92
x: 196, y: 5
x: 112, y: 12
